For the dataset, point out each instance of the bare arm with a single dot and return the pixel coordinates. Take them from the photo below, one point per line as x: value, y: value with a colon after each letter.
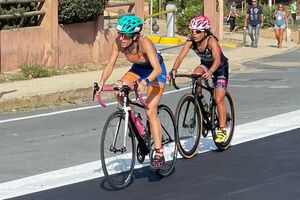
x: 185, y: 49
x: 110, y: 65
x: 215, y: 48
x: 229, y: 15
x: 216, y: 53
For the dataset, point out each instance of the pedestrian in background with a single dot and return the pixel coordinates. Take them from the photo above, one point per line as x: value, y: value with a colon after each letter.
x: 294, y: 11
x: 232, y: 16
x: 280, y: 24
x: 254, y: 21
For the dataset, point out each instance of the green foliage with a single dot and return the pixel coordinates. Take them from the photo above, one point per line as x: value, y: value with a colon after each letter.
x: 192, y: 8
x: 75, y: 11
x: 37, y: 71
x: 18, y: 8
x: 268, y: 15
x: 240, y: 19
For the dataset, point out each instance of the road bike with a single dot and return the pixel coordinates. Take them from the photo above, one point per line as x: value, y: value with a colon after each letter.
x: 123, y: 128
x: 195, y: 117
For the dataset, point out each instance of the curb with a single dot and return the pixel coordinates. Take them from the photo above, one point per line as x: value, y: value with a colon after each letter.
x: 165, y: 40
x: 69, y: 97
x: 230, y: 45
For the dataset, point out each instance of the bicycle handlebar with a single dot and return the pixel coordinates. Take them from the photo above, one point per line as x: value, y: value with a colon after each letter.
x: 191, y: 76
x: 124, y: 88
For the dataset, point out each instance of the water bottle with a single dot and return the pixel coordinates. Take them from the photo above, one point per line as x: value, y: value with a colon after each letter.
x: 139, y: 123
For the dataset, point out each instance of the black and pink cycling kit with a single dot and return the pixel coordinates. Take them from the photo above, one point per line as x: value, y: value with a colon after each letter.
x: 220, y: 76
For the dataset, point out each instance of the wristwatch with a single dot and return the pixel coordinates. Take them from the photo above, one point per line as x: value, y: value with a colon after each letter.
x: 147, y: 81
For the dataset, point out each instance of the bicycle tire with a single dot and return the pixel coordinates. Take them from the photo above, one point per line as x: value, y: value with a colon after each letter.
x: 189, y: 135
x: 169, y: 140
x: 117, y: 165
x: 230, y: 122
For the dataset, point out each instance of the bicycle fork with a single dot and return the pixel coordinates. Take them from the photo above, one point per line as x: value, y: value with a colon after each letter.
x: 126, y: 109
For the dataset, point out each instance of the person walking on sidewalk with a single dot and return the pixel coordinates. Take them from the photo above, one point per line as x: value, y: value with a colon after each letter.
x: 254, y: 21
x: 294, y: 11
x: 213, y: 65
x: 280, y: 24
x: 148, y: 69
x: 232, y: 16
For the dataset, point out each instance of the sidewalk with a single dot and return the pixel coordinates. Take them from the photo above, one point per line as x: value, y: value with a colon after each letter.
x: 76, y: 88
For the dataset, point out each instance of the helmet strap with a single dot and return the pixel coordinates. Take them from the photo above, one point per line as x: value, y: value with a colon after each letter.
x: 133, y: 40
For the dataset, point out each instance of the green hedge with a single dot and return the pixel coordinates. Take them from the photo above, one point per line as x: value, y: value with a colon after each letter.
x: 192, y: 8
x: 75, y: 11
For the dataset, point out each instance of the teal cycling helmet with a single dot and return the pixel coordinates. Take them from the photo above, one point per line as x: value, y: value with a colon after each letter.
x: 129, y: 24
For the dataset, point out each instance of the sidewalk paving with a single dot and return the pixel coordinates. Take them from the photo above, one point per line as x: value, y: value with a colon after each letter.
x: 76, y: 88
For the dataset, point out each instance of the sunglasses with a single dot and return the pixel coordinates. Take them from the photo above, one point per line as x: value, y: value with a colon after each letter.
x: 196, y: 31
x: 124, y: 36
x: 254, y: 1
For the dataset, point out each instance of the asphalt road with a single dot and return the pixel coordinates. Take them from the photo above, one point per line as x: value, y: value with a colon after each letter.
x: 259, y: 169
x: 262, y: 169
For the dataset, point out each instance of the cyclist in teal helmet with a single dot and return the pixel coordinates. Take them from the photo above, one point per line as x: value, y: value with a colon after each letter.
x: 148, y: 69
x: 129, y: 25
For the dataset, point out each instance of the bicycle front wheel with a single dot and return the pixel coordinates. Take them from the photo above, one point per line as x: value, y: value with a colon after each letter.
x: 117, y: 151
x: 230, y: 122
x: 189, y: 125
x: 169, y: 139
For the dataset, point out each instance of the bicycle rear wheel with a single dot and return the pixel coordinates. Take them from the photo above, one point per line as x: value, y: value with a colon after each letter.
x: 230, y: 122
x: 169, y: 140
x: 117, y: 151
x: 189, y: 125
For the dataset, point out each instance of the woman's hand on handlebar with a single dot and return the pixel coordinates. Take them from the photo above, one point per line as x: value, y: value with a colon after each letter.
x: 172, y: 74
x: 207, y: 75
x: 142, y: 86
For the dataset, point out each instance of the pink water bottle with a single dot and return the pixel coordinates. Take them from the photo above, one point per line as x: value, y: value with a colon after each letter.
x: 139, y: 123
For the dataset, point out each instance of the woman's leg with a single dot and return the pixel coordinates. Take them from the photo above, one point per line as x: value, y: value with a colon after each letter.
x: 221, y: 110
x: 231, y: 22
x: 221, y: 107
x: 128, y: 79
x: 201, y: 69
x: 280, y: 37
x: 234, y: 24
x: 153, y: 99
x: 277, y: 36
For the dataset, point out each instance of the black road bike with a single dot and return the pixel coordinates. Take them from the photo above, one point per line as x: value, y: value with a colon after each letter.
x: 197, y: 114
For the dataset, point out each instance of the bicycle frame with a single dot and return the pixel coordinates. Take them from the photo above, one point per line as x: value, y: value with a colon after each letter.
x: 197, y: 82
x: 126, y: 109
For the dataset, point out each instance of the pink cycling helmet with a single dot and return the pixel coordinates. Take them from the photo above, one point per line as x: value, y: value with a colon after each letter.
x: 200, y: 23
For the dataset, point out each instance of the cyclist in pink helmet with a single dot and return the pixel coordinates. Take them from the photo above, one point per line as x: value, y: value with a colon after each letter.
x: 213, y: 65
x: 200, y: 23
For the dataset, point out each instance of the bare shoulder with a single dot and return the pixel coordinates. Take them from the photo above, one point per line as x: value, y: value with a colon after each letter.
x: 213, y: 42
x: 146, y: 44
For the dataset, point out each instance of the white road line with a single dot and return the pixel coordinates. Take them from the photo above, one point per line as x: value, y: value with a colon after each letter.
x: 260, y: 86
x: 70, y: 110
x: 243, y: 133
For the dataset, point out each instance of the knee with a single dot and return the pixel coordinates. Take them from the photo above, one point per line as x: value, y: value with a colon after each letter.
x: 198, y: 70
x: 219, y: 100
